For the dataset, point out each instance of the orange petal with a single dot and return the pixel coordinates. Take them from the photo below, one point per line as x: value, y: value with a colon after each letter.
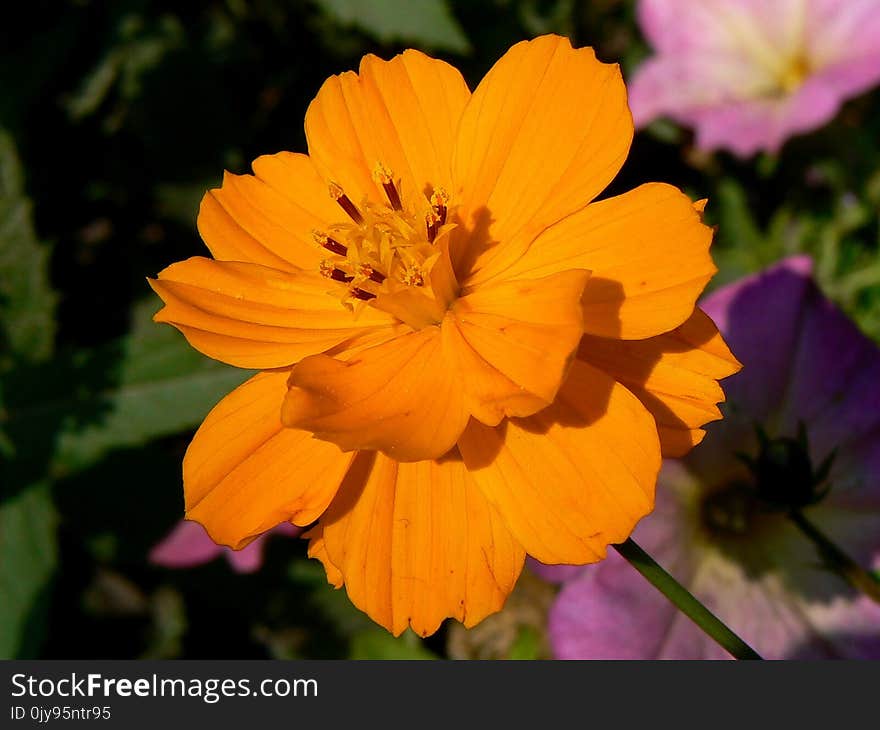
x: 514, y: 342
x: 546, y: 130
x: 649, y: 253
x: 575, y: 477
x: 244, y: 472
x: 402, y: 113
x: 252, y: 316
x: 399, y: 397
x: 416, y: 543
x: 268, y: 218
x: 318, y: 550
x: 675, y: 375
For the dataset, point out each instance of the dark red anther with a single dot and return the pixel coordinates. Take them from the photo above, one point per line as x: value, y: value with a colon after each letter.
x: 331, y: 244
x: 338, y: 194
x: 334, y: 246
x: 364, y: 296
x: 432, y: 223
x: 370, y: 273
x: 339, y: 275
x: 384, y: 176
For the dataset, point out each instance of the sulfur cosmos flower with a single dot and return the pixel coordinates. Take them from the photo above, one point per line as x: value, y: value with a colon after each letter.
x: 463, y: 358
x: 806, y: 367
x: 749, y: 74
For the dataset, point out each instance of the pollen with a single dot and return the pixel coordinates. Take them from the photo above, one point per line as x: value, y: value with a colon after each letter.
x: 413, y: 277
x: 387, y: 246
x: 440, y: 204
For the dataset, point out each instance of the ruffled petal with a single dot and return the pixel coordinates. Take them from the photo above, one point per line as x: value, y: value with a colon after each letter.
x: 575, y: 477
x: 649, y: 253
x: 244, y: 472
x: 546, y: 130
x: 402, y: 113
x: 252, y: 316
x: 760, y: 317
x: 725, y: 68
x: 839, y: 32
x: 416, y: 543
x: 399, y: 397
x: 318, y: 550
x: 675, y: 375
x: 747, y: 127
x: 833, y: 382
x: 514, y: 341
x: 267, y: 218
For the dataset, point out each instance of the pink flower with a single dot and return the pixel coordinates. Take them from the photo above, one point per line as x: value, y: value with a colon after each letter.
x: 804, y: 362
x: 188, y: 545
x: 749, y: 74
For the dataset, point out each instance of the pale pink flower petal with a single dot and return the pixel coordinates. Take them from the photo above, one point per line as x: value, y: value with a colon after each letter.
x: 840, y: 31
x: 185, y: 546
x: 188, y: 545
x: 749, y: 74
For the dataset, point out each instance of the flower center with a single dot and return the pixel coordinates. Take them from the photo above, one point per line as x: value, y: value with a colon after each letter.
x: 793, y: 74
x: 386, y: 248
x: 730, y: 511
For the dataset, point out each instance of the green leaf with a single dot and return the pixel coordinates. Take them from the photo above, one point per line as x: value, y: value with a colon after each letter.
x: 137, y: 48
x: 27, y: 302
x: 428, y: 23
x: 379, y: 644
x: 29, y: 553
x: 737, y: 225
x: 152, y: 384
x: 28, y: 550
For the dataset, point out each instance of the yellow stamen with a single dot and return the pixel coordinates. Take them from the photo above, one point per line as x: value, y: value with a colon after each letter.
x: 387, y: 250
x: 381, y: 174
x: 413, y: 276
x: 439, y: 204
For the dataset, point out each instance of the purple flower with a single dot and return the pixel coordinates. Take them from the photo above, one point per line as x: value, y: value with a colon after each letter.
x: 804, y: 362
x: 188, y: 545
x: 749, y: 74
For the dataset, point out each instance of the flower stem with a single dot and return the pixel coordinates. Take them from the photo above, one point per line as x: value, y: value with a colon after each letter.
x: 849, y: 569
x: 684, y: 601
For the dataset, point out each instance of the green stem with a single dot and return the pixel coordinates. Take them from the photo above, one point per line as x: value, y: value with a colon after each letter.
x: 684, y: 601
x: 849, y: 569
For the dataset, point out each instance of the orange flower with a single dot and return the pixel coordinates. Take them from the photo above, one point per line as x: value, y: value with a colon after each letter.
x: 464, y: 360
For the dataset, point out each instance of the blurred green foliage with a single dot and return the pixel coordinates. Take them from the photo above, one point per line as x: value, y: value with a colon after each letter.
x: 115, y: 118
x: 27, y: 514
x: 422, y: 23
